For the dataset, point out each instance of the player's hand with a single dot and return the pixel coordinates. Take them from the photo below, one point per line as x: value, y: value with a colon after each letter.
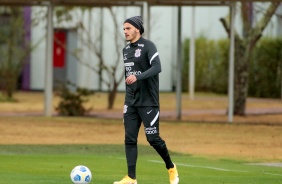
x: 130, y: 79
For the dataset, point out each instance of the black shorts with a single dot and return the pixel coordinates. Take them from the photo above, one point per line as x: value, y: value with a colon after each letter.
x: 134, y: 116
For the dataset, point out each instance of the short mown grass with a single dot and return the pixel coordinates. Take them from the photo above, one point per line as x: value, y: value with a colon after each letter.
x: 47, y: 164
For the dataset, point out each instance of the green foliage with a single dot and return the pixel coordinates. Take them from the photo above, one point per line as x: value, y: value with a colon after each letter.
x: 72, y: 101
x: 266, y: 69
x: 211, y: 65
x: 9, y: 72
x: 11, y: 49
x: 1, y: 97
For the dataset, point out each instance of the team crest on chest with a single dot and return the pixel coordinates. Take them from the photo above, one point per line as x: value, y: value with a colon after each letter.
x: 138, y: 53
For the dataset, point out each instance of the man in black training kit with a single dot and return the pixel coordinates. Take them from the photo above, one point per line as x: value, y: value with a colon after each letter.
x: 142, y: 68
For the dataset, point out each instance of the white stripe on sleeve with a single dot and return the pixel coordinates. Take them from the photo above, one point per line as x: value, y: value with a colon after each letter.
x: 153, y: 57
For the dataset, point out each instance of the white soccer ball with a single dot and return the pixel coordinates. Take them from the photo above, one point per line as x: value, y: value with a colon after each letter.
x: 81, y: 175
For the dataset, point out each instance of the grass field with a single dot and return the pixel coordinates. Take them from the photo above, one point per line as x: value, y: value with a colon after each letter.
x: 42, y: 150
x: 47, y: 164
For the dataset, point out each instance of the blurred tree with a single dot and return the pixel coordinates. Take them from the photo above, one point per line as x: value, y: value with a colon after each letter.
x: 244, y: 44
x: 107, y: 70
x: 14, y: 49
x: 12, y: 53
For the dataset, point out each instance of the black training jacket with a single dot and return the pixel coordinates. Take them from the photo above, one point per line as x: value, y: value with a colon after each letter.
x: 142, y: 60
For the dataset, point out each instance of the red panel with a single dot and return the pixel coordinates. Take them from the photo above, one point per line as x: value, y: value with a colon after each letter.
x: 59, y: 49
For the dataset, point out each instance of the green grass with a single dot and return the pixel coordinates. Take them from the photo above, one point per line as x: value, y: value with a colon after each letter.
x: 48, y: 164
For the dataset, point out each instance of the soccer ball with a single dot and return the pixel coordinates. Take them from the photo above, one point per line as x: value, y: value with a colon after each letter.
x: 80, y: 175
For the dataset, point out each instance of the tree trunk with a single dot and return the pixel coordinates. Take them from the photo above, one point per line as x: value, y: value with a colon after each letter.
x: 243, y: 49
x: 11, y: 86
x: 241, y: 78
x: 112, y: 96
x: 12, y: 66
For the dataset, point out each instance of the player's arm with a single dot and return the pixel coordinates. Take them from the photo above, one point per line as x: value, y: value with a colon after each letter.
x: 154, y: 59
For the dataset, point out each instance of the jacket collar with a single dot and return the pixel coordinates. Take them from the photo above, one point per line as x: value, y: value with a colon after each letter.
x: 136, y: 43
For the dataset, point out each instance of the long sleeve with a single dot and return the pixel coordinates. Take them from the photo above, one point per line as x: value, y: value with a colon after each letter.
x: 154, y: 61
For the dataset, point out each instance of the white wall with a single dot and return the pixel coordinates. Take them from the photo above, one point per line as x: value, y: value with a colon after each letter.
x: 206, y: 21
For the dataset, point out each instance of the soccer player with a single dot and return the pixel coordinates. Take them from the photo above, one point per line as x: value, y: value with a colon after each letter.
x: 142, y: 68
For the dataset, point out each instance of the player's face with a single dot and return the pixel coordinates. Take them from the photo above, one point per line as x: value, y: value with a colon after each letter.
x: 131, y: 33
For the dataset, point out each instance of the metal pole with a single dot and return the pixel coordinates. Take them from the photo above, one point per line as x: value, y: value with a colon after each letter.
x: 148, y: 21
x: 279, y: 20
x: 279, y: 34
x: 142, y: 10
x: 146, y: 18
x: 231, y: 66
x: 49, y: 63
x: 179, y: 67
x: 192, y: 58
